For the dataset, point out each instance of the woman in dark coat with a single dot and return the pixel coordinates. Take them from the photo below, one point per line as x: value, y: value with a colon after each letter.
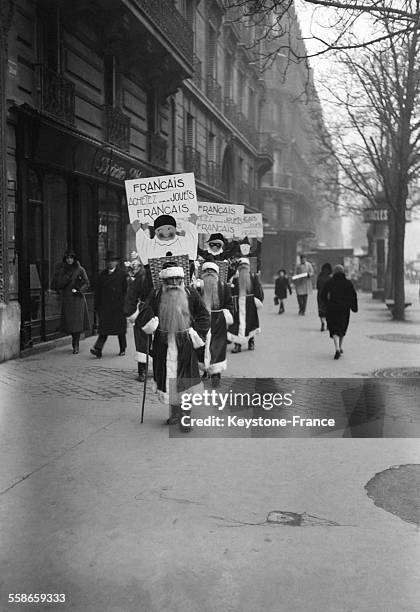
x: 71, y: 281
x: 281, y: 288
x: 323, y: 277
x: 109, y: 304
x: 340, y: 297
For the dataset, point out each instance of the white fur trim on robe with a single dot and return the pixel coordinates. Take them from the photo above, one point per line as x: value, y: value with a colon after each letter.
x: 258, y: 303
x: 228, y: 317
x: 197, y: 342
x: 151, y: 326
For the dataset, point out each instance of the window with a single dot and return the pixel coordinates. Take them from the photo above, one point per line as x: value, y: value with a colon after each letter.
x: 211, y: 51
x: 211, y: 147
x: 50, y: 37
x: 228, y: 75
x: 111, y: 81
x: 189, y: 130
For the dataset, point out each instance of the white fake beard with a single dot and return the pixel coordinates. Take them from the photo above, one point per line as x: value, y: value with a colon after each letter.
x: 174, y: 312
x: 244, y: 282
x: 211, y: 292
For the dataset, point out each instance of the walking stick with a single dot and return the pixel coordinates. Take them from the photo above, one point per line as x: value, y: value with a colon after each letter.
x: 145, y: 379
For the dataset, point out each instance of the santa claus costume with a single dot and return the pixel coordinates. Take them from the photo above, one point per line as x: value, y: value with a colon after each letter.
x: 217, y: 297
x: 180, y: 321
x: 248, y: 297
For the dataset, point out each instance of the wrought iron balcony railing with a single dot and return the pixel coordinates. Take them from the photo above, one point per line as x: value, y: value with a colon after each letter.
x: 214, y: 175
x: 192, y: 161
x: 158, y: 149
x: 214, y: 91
x: 168, y: 20
x: 266, y: 144
x: 117, y: 127
x: 56, y: 95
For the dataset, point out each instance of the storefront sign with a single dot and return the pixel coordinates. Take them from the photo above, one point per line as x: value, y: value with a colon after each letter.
x: 252, y: 226
x: 114, y: 170
x: 220, y: 218
x: 151, y: 197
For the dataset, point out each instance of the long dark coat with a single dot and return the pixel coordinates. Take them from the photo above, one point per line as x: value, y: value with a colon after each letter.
x: 212, y: 356
x: 252, y: 323
x: 74, y: 312
x: 340, y: 297
x: 186, y: 367
x: 322, y: 280
x: 109, y: 302
x: 282, y: 287
x: 139, y: 287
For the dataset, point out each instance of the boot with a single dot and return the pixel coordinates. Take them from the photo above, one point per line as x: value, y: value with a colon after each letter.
x: 251, y: 344
x: 141, y: 368
x: 281, y: 310
x: 175, y: 417
x: 97, y: 352
x: 183, y: 426
x: 236, y: 348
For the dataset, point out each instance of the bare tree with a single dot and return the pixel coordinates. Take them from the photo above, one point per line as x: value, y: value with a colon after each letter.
x: 335, y: 25
x: 375, y: 139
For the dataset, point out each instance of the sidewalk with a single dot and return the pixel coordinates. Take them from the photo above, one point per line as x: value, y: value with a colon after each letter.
x: 121, y: 518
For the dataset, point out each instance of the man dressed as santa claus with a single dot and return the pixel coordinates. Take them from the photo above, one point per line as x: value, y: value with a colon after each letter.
x: 218, y: 300
x: 248, y: 297
x: 180, y: 321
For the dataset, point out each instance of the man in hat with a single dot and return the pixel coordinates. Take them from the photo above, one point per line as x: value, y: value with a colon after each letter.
x: 303, y: 284
x: 248, y: 297
x: 171, y: 238
x: 180, y: 321
x: 109, y: 304
x: 218, y: 300
x: 243, y: 249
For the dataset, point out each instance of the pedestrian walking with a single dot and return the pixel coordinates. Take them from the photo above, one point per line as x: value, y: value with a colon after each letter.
x: 217, y: 297
x: 323, y: 277
x: 109, y: 304
x: 179, y: 320
x: 340, y: 297
x: 282, y: 286
x: 138, y: 290
x: 248, y: 297
x: 303, y: 283
x: 71, y: 281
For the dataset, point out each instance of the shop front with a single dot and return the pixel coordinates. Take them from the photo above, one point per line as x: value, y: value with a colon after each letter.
x: 70, y: 196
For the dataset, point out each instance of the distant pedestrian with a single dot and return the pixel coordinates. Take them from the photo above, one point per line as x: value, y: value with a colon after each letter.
x: 109, y: 304
x: 71, y: 281
x: 138, y: 290
x: 323, y: 277
x: 303, y: 285
x: 340, y: 297
x: 282, y: 286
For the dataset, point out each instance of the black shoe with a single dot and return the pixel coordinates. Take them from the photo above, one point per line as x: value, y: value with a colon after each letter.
x: 322, y: 327
x: 341, y: 351
x: 204, y: 376
x: 121, y: 354
x: 237, y: 348
x: 96, y: 352
x: 251, y: 344
x: 215, y: 380
x: 183, y: 426
x: 75, y: 351
x: 337, y: 355
x: 175, y: 417
x: 141, y: 372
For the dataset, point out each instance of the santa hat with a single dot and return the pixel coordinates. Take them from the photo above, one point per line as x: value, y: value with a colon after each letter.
x: 216, y: 238
x: 171, y: 270
x: 243, y: 261
x: 164, y: 220
x: 210, y: 265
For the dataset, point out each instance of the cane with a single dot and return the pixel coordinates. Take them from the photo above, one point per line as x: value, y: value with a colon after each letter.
x: 145, y: 379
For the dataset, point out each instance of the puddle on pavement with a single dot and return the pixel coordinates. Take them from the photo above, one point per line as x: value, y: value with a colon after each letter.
x: 397, y: 490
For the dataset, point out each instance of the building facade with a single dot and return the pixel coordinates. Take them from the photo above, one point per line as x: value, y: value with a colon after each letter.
x: 103, y: 91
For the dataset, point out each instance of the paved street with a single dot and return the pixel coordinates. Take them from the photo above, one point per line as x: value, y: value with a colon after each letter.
x: 121, y: 518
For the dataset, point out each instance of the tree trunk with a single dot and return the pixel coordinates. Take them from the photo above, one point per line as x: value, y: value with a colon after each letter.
x: 398, y: 220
